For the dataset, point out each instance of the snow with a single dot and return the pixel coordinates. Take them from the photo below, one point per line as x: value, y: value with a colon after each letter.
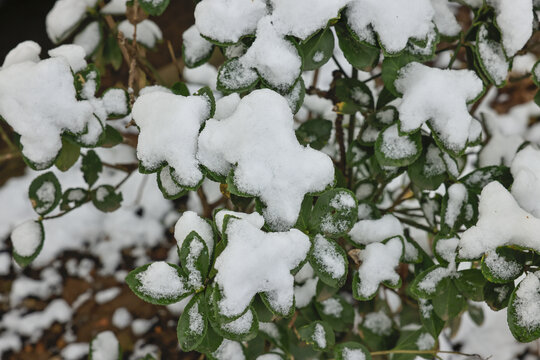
x: 64, y: 17
x: 394, y: 21
x: 492, y: 57
x: 439, y: 97
x: 271, y: 164
x: 371, y: 231
x: 501, y: 221
x: 240, y: 325
x: 270, y: 329
x: 396, y: 147
x: 501, y: 267
x: 74, y: 54
x: 226, y: 106
x: 319, y: 336
x: 425, y: 342
x: 254, y: 261
x: 27, y: 238
x: 104, y: 296
x: 315, y: 15
x: 276, y: 59
x: 105, y: 346
x: 38, y: 101
x: 326, y: 255
x: 148, y: 33
x: 378, y: 264
x: 446, y: 249
x: 204, y: 75
x: 254, y: 219
x: 190, y: 221
x: 444, y: 17
x: 527, y: 302
x: 457, y: 198
x: 515, y: 19
x: 227, y: 21
x: 74, y: 351
x: 25, y: 51
x: 121, y: 318
x: 500, y: 150
x: 303, y: 294
x: 229, y: 350
x: 49, y: 283
x: 114, y: 7
x: 161, y: 280
x: 332, y: 306
x: 353, y: 354
x: 196, y: 321
x: 194, y: 275
x: 195, y: 47
x: 378, y: 322
x: 115, y: 101
x: 169, y: 125
x: 526, y: 186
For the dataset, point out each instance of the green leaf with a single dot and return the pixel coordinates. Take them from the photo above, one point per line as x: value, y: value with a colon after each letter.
x: 180, y: 88
x: 433, y: 323
x: 169, y: 188
x: 111, y: 137
x: 195, y: 59
x: 329, y: 261
x: 195, y: 259
x: 45, y: 193
x: 105, y: 198
x: 319, y: 334
x: 488, y: 62
x: 68, y: 155
x: 430, y: 283
x: 334, y: 213
x: 497, y: 296
x: 73, y: 197
x: 354, y: 96
x: 207, y: 93
x: 449, y: 303
x: 193, y: 323
x: 154, y: 7
x: 336, y: 312
x: 112, y: 53
x: 428, y: 172
x: 318, y: 49
x: 393, y: 149
x: 234, y: 77
x: 351, y: 350
x: 314, y: 132
x: 536, y: 73
x: 471, y: 283
x: 23, y: 261
x: 90, y: 73
x: 359, y: 55
x: 244, y: 328
x: 91, y: 167
x: 159, y: 295
x: 503, y: 265
x: 385, y: 97
x: 478, y: 179
x: 522, y: 319
x: 379, y: 331
x: 390, y: 70
x: 476, y: 313
x: 414, y: 340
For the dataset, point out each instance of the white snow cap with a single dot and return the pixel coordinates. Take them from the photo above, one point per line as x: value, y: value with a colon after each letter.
x: 254, y: 218
x: 314, y: 15
x: 501, y: 221
x: 195, y: 46
x: 444, y: 18
x: 25, y: 51
x: 64, y: 17
x: 27, y: 237
x: 370, y: 231
x: 227, y: 21
x: 148, y: 33
x: 169, y: 126
x: 526, y: 172
x: 38, y: 100
x: 515, y: 19
x: 271, y: 164
x: 394, y: 21
x: 74, y: 54
x: 190, y: 221
x: 440, y: 97
x: 114, y: 7
x: 254, y: 261
x: 161, y: 280
x: 89, y: 37
x: 378, y: 264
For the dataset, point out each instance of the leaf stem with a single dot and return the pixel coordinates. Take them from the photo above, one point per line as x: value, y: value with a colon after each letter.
x: 426, y: 352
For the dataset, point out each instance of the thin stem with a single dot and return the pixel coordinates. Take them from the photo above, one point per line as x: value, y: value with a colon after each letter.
x: 341, y: 141
x: 339, y: 66
x: 416, y: 225
x: 372, y: 77
x: 427, y: 352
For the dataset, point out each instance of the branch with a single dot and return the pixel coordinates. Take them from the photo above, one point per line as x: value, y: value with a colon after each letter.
x: 426, y: 352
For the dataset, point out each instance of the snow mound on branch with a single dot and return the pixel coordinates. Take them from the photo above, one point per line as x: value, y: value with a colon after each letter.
x: 439, y: 97
x: 271, y: 164
x: 254, y: 261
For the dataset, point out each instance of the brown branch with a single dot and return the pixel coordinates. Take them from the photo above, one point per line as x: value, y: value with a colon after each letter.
x: 341, y: 142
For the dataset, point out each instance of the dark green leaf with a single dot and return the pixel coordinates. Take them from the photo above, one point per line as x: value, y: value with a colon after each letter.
x: 195, y: 259
x: 522, y: 319
x: 390, y: 70
x: 193, y: 323
x: 476, y: 313
x: 319, y: 334
x: 334, y: 213
x: 498, y: 295
x: 471, y: 283
x: 318, y: 49
x: 336, y: 312
x: 68, y: 155
x: 449, y: 303
x: 329, y: 261
x: 503, y: 265
x: 73, y: 197
x: 153, y: 7
x: 353, y: 95
x: 180, y: 88
x: 91, y: 167
x: 314, y: 132
x: 351, y: 350
x: 105, y: 198
x: 111, y: 137
x: 393, y: 149
x: 358, y: 54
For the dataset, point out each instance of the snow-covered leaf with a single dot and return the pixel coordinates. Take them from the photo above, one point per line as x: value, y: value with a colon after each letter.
x: 196, y: 50
x: 502, y: 265
x: 359, y: 54
x: 193, y: 323
x: 106, y: 198
x: 334, y: 213
x: 319, y: 334
x: 515, y: 20
x: 73, y: 197
x: 524, y: 309
x: 337, y: 312
x: 159, y: 283
x: 429, y: 171
x: 354, y: 96
x: 314, y: 132
x: 64, y: 17
x: 154, y: 7
x: 45, y: 193
x: 394, y: 149
x: 318, y: 49
x: 351, y: 350
x: 491, y: 57
x: 195, y: 259
x: 329, y: 261
x: 27, y: 239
